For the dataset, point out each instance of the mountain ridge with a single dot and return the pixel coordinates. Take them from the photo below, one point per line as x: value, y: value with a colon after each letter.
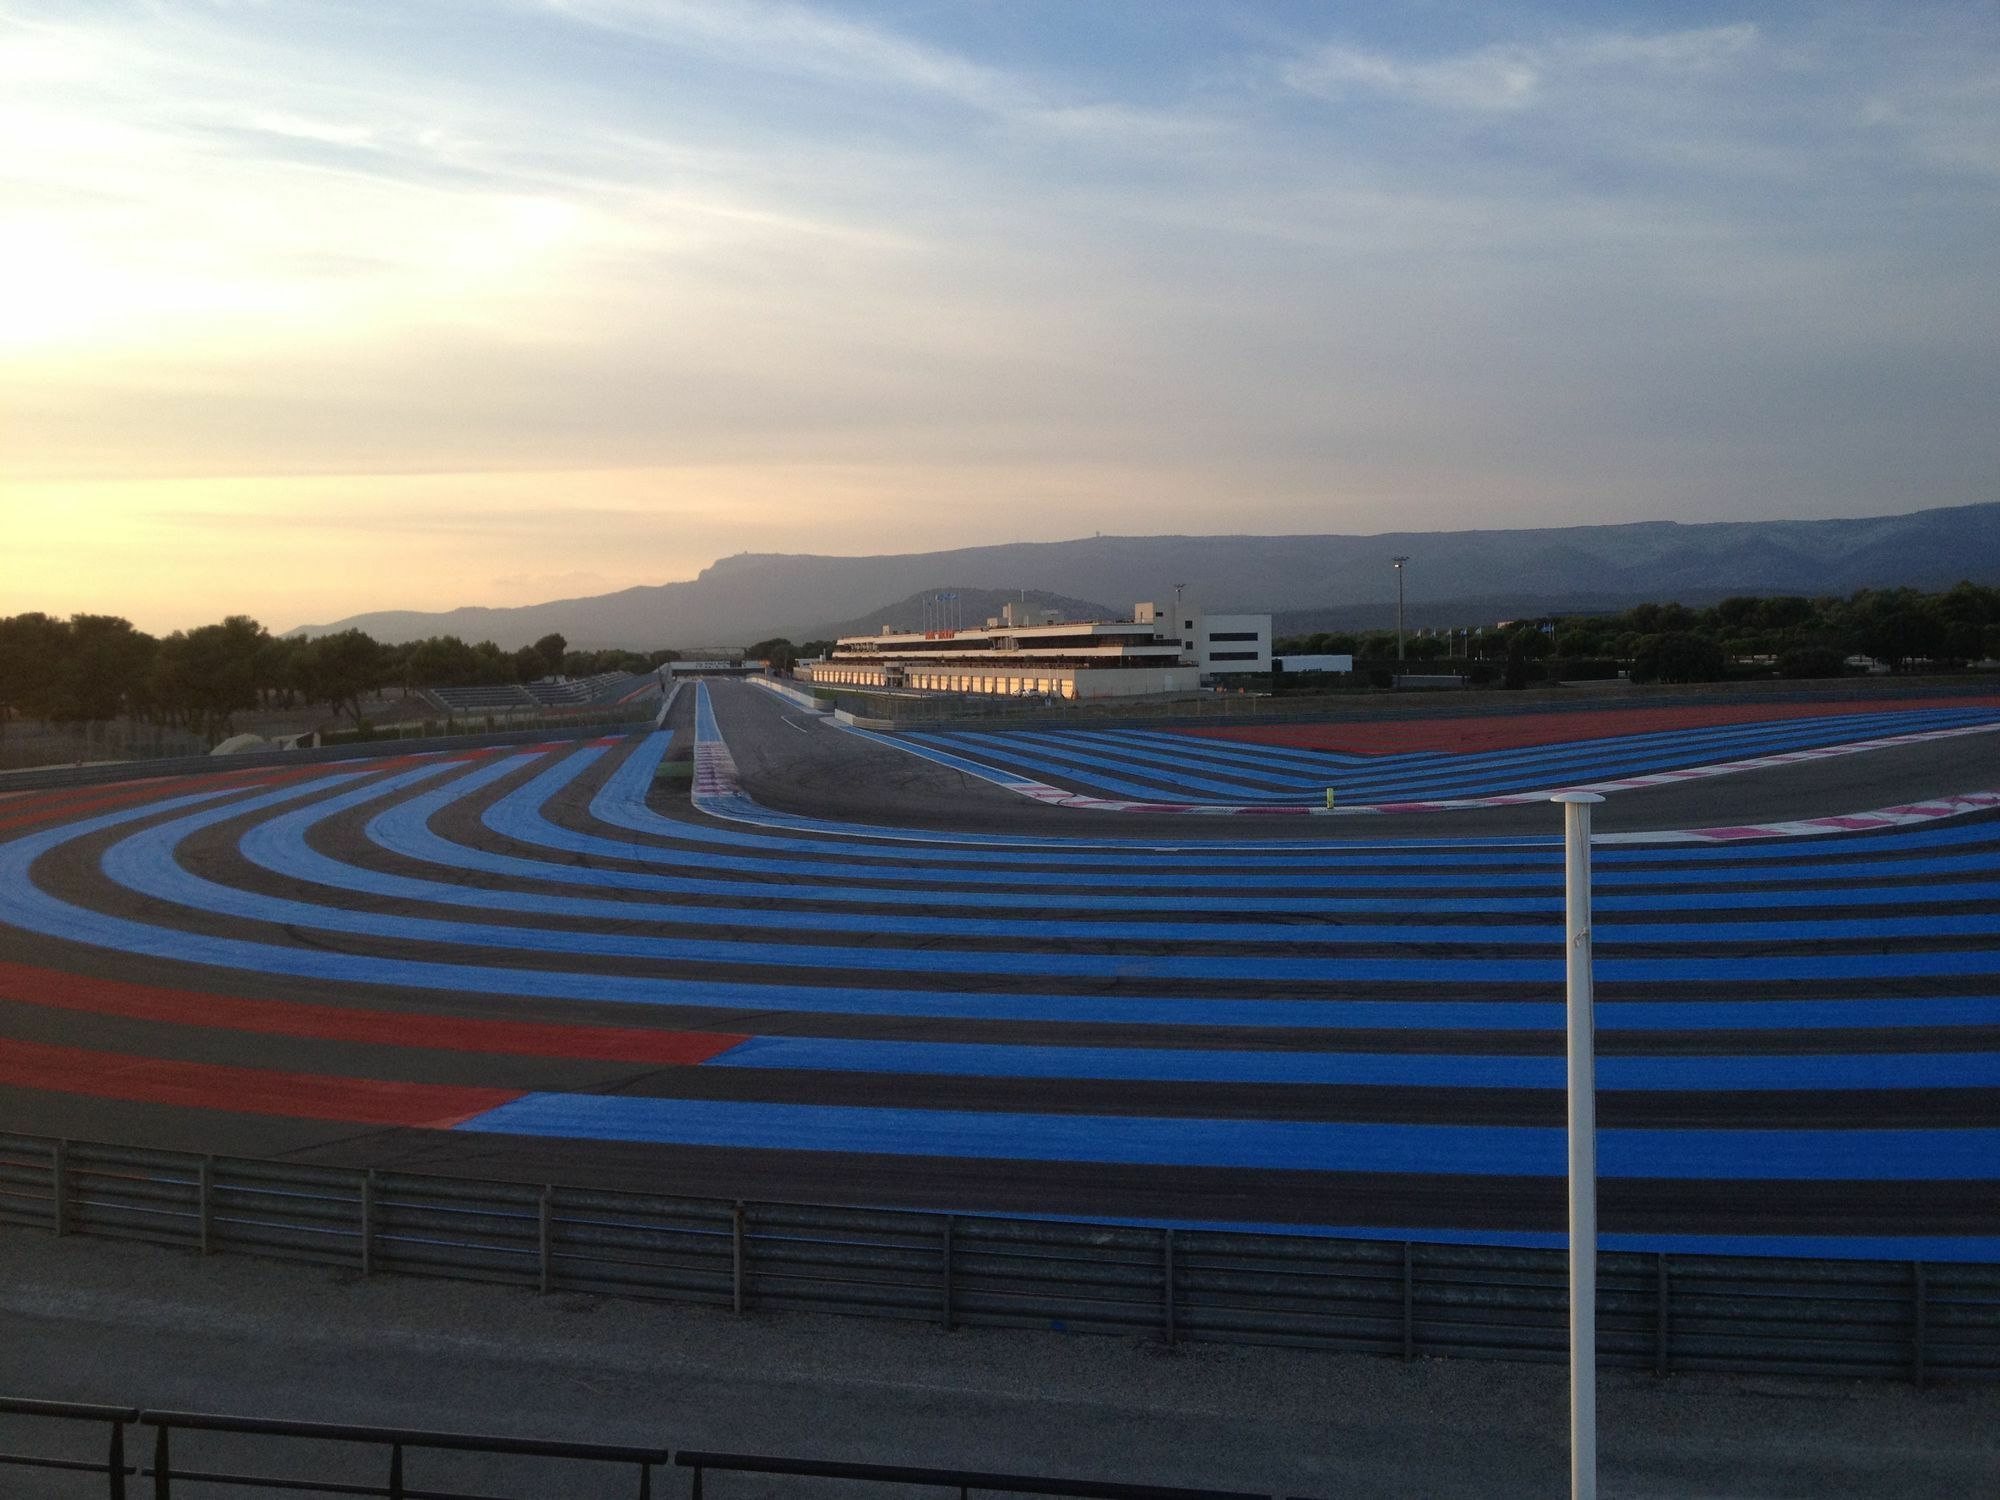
x: 750, y: 596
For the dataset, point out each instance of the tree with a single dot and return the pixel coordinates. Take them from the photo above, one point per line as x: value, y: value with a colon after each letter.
x: 1678, y: 656
x: 103, y: 670
x: 551, y: 648
x: 206, y: 676
x: 1529, y: 642
x: 1902, y: 632
x: 32, y: 647
x: 442, y: 661
x: 778, y: 651
x: 340, y: 670
x: 1812, y: 661
x: 529, y: 666
x: 278, y: 674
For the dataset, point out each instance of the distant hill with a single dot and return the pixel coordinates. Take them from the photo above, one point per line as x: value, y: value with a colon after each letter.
x: 754, y: 595
x: 973, y: 606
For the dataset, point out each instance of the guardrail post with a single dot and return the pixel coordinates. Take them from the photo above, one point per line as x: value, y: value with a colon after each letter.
x: 163, y: 1465
x: 59, y: 1186
x: 395, y: 1471
x: 645, y: 1481
x: 545, y: 1237
x: 1409, y: 1301
x: 114, y: 1460
x: 736, y: 1255
x: 205, y: 1204
x: 1661, y: 1329
x: 950, y: 1223
x: 368, y: 1222
x: 1172, y: 1332
x: 1918, y: 1288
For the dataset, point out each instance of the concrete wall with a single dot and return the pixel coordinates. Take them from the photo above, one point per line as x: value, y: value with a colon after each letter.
x: 1218, y: 658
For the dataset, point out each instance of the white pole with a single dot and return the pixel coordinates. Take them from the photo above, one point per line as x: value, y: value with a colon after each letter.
x: 1582, y: 1149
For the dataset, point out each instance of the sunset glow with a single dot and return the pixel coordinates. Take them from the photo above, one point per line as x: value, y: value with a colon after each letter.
x: 307, y: 310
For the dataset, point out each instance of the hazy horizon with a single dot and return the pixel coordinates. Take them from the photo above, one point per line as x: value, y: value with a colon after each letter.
x: 312, y: 311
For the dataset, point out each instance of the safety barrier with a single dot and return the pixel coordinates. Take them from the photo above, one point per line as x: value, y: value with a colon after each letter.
x: 965, y: 1481
x: 1921, y: 1321
x: 323, y: 1453
x: 666, y: 705
x: 335, y: 1468
x: 797, y: 697
x: 550, y: 728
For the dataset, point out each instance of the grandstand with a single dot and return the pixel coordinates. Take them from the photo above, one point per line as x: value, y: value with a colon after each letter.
x: 601, y: 691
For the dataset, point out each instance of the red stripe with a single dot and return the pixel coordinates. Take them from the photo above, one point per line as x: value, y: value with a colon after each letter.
x: 138, y: 1002
x: 252, y: 1091
x: 68, y: 804
x: 122, y: 793
x: 1522, y: 730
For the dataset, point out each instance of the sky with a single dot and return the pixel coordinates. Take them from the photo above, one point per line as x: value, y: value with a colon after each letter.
x: 313, y: 308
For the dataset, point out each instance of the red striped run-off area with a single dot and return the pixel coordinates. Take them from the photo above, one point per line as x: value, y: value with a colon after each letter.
x: 340, y: 1023
x: 255, y: 1091
x: 1519, y: 731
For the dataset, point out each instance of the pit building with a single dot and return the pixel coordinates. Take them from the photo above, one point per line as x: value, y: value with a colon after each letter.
x: 1024, y: 653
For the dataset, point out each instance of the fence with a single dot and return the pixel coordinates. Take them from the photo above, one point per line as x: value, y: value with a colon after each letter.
x: 387, y: 1451
x: 1871, y: 1319
x: 556, y: 727
x: 26, y: 743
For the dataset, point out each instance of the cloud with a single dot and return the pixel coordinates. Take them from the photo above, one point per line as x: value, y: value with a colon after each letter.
x: 662, y: 280
x: 1511, y: 76
x: 1493, y: 78
x: 818, y: 44
x: 799, y: 40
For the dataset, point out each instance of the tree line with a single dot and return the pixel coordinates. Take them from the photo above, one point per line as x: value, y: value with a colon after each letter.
x: 92, y: 668
x: 1786, y: 635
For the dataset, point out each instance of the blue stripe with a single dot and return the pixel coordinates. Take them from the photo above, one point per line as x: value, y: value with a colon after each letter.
x: 145, y: 863
x: 26, y: 906
x: 1158, y: 765
x: 1122, y: 1140
x: 1811, y: 1071
x: 279, y: 845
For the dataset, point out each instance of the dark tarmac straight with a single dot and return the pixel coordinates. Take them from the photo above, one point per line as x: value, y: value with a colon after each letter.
x: 806, y: 764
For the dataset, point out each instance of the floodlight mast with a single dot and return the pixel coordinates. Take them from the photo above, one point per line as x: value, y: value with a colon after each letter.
x: 1582, y: 1146
x: 1399, y: 561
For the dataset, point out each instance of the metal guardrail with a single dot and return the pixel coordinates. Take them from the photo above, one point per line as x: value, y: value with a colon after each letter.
x: 115, y: 1420
x: 162, y: 1470
x: 309, y: 1442
x: 1921, y: 1322
x: 965, y: 1481
x: 400, y: 1442
x: 567, y: 727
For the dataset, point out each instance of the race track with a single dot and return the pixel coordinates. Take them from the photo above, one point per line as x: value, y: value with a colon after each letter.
x: 867, y: 976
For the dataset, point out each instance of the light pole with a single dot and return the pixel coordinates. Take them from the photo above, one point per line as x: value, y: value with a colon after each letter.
x: 1399, y: 561
x: 1582, y: 1147
x: 1177, y: 617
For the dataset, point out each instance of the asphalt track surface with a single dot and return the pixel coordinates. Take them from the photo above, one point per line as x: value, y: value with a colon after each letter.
x: 877, y: 979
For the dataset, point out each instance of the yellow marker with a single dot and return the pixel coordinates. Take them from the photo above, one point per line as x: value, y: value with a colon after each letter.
x: 1329, y: 799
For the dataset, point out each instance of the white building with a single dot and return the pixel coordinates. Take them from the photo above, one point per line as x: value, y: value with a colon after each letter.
x: 1022, y: 654
x: 1217, y: 645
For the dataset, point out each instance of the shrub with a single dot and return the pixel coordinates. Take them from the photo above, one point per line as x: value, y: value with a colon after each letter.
x: 1678, y: 656
x: 1812, y: 661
